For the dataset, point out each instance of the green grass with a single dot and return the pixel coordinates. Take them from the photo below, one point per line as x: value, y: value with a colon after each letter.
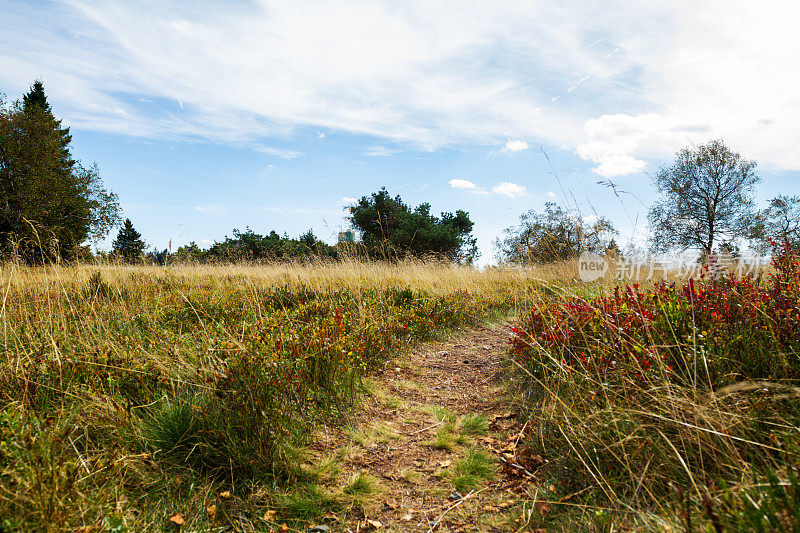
x: 473, y: 470
x: 474, y: 424
x: 441, y: 414
x: 129, y: 393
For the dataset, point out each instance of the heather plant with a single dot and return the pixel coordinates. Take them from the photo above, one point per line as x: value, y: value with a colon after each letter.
x: 678, y: 389
x: 129, y: 393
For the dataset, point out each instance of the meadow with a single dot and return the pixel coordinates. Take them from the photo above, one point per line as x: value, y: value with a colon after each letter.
x: 129, y: 394
x: 150, y: 398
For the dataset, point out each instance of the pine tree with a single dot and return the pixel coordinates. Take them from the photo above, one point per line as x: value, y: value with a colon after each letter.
x: 129, y: 244
x: 49, y: 203
x: 36, y: 99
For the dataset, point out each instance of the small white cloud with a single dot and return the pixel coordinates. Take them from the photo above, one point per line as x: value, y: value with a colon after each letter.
x: 551, y: 194
x: 209, y: 209
x: 206, y: 242
x: 507, y: 188
x: 462, y: 184
x: 321, y: 134
x: 514, y: 145
x: 281, y: 153
x: 619, y: 165
x: 380, y: 151
x: 348, y: 200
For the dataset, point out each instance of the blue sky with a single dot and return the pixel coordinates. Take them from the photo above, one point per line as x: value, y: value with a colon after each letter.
x: 209, y: 116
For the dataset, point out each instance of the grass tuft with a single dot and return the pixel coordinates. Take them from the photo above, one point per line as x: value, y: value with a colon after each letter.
x: 473, y: 470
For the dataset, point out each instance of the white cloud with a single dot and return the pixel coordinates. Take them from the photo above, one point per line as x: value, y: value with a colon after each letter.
x: 462, y: 184
x: 210, y: 209
x: 514, y: 145
x: 678, y: 72
x: 206, y: 242
x: 348, y: 200
x: 722, y: 71
x: 380, y: 151
x: 507, y: 188
x: 386, y: 69
x: 551, y: 194
x: 281, y: 153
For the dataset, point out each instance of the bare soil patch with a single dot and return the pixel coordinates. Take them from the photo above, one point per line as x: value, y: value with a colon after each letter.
x: 438, y: 441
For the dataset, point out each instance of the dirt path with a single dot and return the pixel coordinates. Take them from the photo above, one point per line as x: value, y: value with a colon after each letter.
x: 435, y: 445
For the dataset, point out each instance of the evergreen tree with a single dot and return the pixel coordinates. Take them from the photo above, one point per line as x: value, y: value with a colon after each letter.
x: 36, y: 101
x: 389, y: 228
x: 129, y: 244
x: 49, y: 203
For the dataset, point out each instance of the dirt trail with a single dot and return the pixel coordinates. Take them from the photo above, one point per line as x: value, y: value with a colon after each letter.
x: 419, y: 436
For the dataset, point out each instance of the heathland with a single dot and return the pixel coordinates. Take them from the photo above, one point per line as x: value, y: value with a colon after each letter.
x: 273, y: 397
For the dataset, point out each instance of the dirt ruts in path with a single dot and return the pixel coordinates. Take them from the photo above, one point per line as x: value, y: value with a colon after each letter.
x: 432, y: 411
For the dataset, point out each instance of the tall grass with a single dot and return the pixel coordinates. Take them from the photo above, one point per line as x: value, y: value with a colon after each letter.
x: 130, y: 393
x: 669, y: 407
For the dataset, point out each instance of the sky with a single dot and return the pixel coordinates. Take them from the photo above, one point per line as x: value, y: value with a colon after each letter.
x: 208, y: 116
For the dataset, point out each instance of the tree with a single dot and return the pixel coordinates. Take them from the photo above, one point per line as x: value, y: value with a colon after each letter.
x: 128, y: 245
x: 250, y: 246
x: 554, y: 235
x: 390, y: 229
x: 49, y: 203
x: 189, y: 253
x: 706, y: 199
x: 779, y: 222
x: 158, y: 257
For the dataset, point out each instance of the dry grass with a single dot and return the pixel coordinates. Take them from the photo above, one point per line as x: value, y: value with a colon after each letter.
x: 646, y: 424
x: 129, y: 393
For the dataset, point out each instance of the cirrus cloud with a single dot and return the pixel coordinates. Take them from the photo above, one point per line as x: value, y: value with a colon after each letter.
x: 678, y: 73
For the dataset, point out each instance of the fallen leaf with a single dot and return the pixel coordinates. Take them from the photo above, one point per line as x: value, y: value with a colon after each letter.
x: 283, y: 527
x: 407, y: 517
x: 177, y: 518
x: 543, y: 508
x: 505, y: 504
x: 211, y: 509
x: 490, y: 508
x: 445, y: 464
x: 225, y: 495
x: 270, y: 515
x: 375, y: 523
x: 392, y: 504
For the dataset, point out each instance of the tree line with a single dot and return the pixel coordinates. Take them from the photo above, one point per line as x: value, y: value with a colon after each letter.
x: 705, y: 203
x: 51, y: 206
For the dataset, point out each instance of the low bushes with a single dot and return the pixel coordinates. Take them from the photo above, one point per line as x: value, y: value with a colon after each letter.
x: 686, y: 388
